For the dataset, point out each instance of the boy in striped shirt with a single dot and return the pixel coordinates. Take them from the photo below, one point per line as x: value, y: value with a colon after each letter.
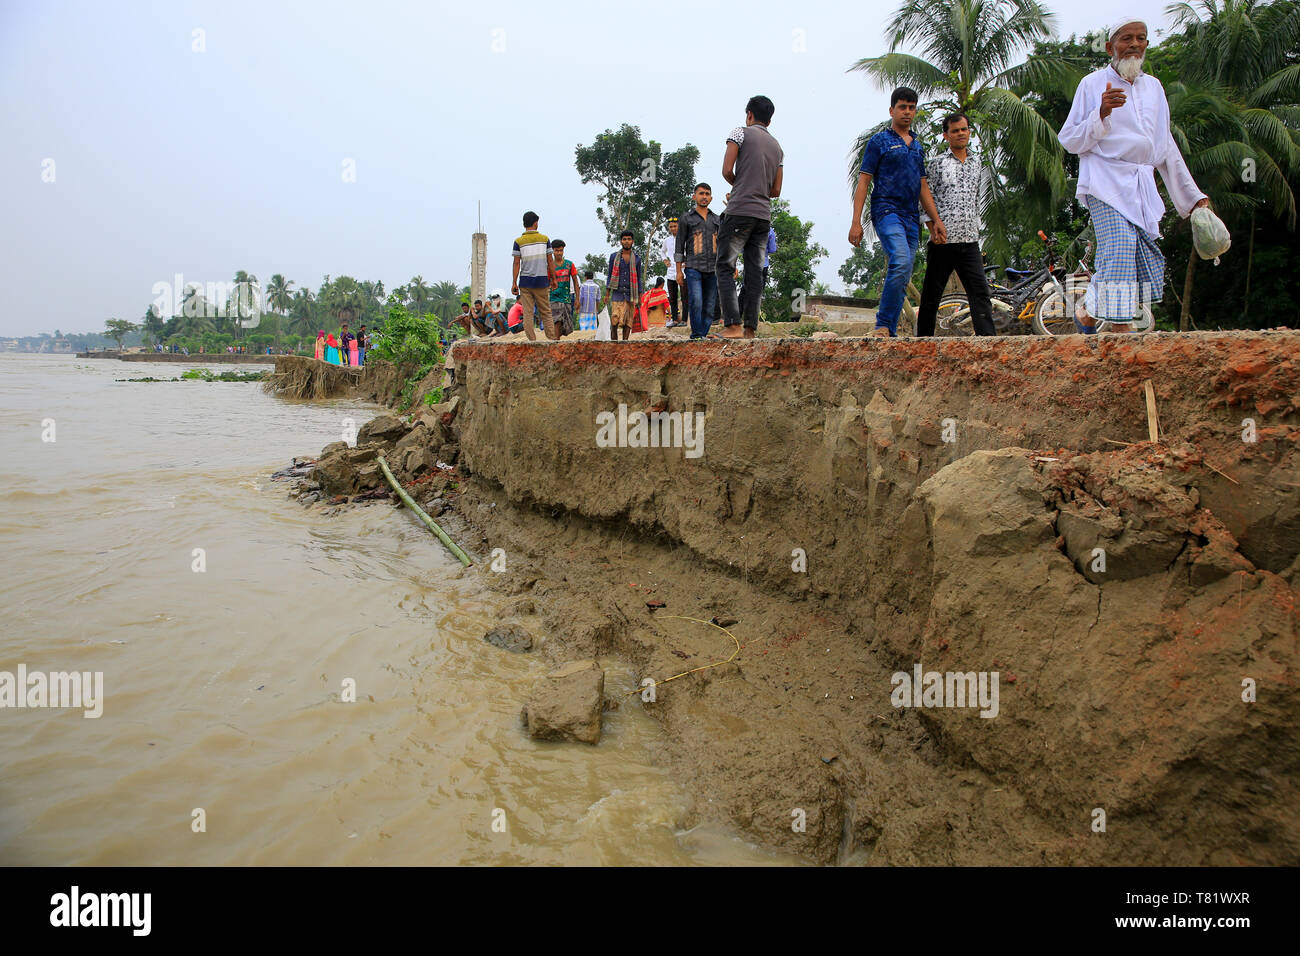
x: 533, y: 277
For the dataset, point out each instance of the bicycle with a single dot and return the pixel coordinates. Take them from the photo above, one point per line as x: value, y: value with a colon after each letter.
x: 1013, y: 305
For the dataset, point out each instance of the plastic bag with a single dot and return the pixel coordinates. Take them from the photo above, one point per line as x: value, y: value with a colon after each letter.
x: 602, y: 326
x: 1209, y: 234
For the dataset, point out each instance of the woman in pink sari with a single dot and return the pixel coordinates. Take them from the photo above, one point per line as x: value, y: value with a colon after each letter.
x: 320, y: 346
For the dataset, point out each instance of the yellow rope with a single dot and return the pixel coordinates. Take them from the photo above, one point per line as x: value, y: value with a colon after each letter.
x: 674, y: 617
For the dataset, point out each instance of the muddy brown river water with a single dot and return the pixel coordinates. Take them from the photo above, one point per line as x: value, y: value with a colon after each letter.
x: 223, y: 687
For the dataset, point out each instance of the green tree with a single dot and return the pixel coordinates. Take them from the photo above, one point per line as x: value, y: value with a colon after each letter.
x: 196, y: 311
x: 595, y: 263
x: 793, y: 267
x: 118, y: 329
x: 445, y: 300
x: 418, y: 291
x: 863, y: 272
x: 968, y: 61
x: 153, y: 325
x: 302, y: 313
x: 1233, y: 80
x: 641, y: 186
x: 344, y: 299
x: 244, y: 303
x: 278, y: 294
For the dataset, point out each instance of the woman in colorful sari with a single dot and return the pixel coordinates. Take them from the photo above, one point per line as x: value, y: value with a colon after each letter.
x: 331, y: 349
x: 320, y: 345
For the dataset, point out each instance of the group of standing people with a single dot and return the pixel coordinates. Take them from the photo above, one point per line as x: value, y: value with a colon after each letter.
x: 546, y: 288
x: 1119, y: 149
x: 1119, y: 146
x: 701, y: 253
x: 346, y: 349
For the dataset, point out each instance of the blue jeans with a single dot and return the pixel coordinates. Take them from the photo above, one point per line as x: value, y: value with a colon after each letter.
x: 703, y: 293
x: 899, y: 239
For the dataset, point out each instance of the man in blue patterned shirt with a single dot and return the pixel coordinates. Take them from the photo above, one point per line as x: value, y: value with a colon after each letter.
x: 895, y: 159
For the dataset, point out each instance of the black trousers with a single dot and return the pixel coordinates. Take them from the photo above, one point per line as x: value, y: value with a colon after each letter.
x: 672, y: 299
x: 940, y: 261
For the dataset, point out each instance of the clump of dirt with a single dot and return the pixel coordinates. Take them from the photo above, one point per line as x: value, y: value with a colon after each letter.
x: 419, y: 450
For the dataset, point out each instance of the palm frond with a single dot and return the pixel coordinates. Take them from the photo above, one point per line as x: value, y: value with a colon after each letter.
x: 1027, y: 135
x: 1282, y: 87
x: 902, y: 69
x: 1271, y: 134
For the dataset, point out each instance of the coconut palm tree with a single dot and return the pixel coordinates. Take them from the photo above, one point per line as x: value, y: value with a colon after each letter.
x: 195, y: 305
x: 302, y: 313
x: 277, y: 293
x: 244, y: 301
x: 418, y: 291
x: 445, y: 297
x: 345, y: 299
x: 1235, y: 112
x: 969, y: 59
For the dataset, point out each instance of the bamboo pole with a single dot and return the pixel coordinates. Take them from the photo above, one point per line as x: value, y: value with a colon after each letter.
x: 420, y: 513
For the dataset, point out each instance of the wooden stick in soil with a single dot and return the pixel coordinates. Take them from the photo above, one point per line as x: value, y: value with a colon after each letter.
x: 420, y: 513
x: 1153, y: 420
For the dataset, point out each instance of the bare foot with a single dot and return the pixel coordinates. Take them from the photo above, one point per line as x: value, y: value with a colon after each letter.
x: 732, y: 332
x: 881, y: 332
x: 750, y: 333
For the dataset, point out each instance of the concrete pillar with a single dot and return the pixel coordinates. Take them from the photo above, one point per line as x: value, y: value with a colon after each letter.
x: 478, y: 267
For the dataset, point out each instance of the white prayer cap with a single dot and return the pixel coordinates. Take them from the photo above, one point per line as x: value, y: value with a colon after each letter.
x: 1121, y: 24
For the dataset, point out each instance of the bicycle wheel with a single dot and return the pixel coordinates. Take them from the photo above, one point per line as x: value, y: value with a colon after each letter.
x: 953, y: 318
x: 1054, y: 314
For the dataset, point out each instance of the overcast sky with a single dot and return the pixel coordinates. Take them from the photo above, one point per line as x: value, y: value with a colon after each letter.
x: 168, y: 159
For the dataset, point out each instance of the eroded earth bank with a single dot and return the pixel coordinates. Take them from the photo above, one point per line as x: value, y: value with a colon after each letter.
x: 862, y: 507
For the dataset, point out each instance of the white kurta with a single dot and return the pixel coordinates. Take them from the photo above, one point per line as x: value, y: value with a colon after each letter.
x: 1118, y: 154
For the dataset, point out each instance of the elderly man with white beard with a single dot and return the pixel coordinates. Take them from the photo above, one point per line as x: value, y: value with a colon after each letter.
x: 1119, y: 128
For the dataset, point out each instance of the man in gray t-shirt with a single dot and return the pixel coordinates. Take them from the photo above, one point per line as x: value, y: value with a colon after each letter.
x: 752, y: 165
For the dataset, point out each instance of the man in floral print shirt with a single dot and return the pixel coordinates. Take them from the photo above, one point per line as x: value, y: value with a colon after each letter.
x: 957, y: 180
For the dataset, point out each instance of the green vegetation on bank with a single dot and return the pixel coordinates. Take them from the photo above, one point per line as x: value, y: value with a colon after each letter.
x: 411, y: 342
x: 204, y: 375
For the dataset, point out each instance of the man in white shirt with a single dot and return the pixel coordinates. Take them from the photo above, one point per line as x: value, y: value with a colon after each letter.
x: 670, y: 250
x: 1119, y: 128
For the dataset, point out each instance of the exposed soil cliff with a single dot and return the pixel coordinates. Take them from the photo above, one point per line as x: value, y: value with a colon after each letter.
x: 863, y: 507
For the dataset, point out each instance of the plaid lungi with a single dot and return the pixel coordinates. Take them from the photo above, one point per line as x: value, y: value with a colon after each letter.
x: 1130, y: 266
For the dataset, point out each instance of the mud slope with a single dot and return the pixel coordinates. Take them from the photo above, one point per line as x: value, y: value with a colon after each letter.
x: 952, y: 499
